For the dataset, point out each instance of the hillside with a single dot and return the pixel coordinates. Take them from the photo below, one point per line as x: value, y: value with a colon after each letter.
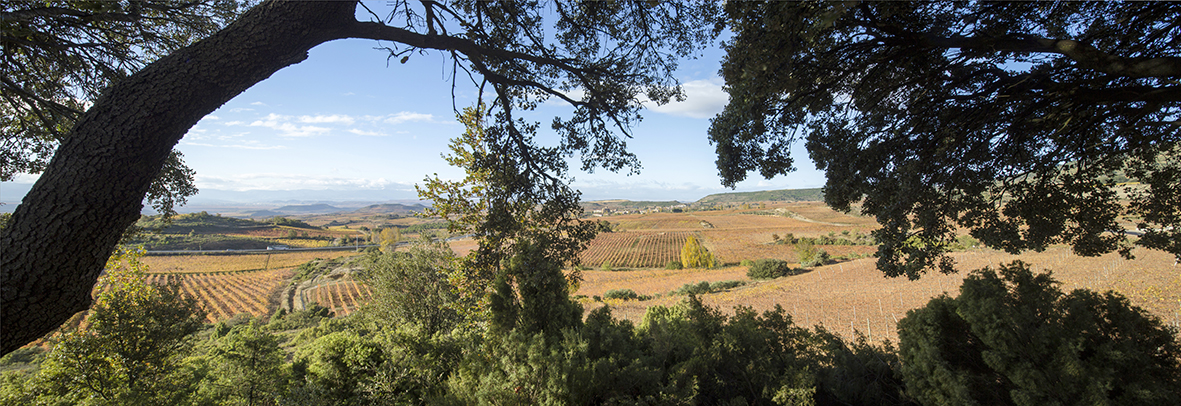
x: 785, y: 195
x: 391, y: 208
x: 625, y: 204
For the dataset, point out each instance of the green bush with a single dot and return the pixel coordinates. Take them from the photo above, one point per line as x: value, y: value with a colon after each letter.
x: 746, y: 262
x: 624, y: 294
x: 810, y: 256
x: 674, y: 265
x: 703, y: 287
x: 606, y: 266
x: 768, y: 268
x: 1014, y: 338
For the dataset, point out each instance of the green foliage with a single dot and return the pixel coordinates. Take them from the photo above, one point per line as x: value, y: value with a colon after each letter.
x: 541, y: 303
x: 674, y: 265
x: 769, y: 268
x: 934, y: 117
x: 606, y: 267
x: 247, y: 367
x: 1014, y: 338
x: 412, y: 288
x: 337, y: 366
x: 134, y: 342
x: 746, y: 262
x: 694, y: 255
x: 703, y: 287
x: 624, y: 294
x: 299, y: 319
x: 810, y: 256
x: 280, y: 221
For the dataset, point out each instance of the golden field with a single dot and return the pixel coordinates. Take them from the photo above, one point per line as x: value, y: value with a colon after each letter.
x: 846, y: 297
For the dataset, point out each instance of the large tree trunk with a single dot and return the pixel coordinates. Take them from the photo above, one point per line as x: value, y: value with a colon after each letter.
x: 63, y: 232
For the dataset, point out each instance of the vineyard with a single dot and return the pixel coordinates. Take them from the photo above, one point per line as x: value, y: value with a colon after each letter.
x: 342, y: 296
x: 236, y: 263
x: 635, y: 249
x: 225, y: 294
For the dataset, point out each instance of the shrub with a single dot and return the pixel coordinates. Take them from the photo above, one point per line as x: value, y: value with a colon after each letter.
x: 1014, y: 338
x: 810, y: 256
x: 768, y: 268
x: 624, y: 294
x: 699, y: 288
x: 673, y: 265
x: 747, y: 262
x: 606, y: 266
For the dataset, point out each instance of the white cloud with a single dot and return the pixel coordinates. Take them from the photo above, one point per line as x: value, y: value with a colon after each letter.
x: 240, y: 109
x: 278, y: 122
x: 369, y: 133
x: 258, y: 104
x: 703, y: 99
x: 335, y: 118
x: 404, y: 116
x: 246, y: 145
x: 235, y: 122
x: 212, y: 117
x: 284, y: 181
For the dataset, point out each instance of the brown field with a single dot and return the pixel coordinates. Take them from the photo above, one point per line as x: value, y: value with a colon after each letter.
x: 846, y: 297
x: 635, y: 249
x: 224, y: 295
x: 236, y: 263
x: 342, y: 296
x: 855, y: 296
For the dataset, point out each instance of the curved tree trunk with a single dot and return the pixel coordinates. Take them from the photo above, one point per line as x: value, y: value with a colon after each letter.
x: 61, y: 235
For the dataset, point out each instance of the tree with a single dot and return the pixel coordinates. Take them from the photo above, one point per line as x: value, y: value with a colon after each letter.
x: 694, y: 255
x: 389, y: 238
x: 1012, y: 119
x: 131, y: 350
x: 94, y: 186
x: 249, y: 367
x: 1011, y: 337
x: 59, y: 55
x: 412, y: 288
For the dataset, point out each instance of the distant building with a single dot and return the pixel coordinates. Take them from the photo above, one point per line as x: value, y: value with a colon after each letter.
x: 277, y: 247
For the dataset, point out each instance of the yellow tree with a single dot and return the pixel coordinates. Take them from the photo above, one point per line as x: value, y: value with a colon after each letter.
x: 389, y: 238
x: 694, y: 255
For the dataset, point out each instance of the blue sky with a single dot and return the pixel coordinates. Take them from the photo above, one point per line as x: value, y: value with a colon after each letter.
x: 342, y: 125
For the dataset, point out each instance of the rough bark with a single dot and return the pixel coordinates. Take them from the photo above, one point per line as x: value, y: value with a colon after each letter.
x: 61, y: 235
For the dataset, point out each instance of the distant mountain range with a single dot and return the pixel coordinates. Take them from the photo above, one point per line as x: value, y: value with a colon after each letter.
x: 784, y: 195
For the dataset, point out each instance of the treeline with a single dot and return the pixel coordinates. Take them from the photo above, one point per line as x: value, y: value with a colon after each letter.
x: 1009, y: 337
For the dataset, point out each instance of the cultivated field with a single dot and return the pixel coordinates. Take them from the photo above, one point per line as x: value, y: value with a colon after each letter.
x: 845, y: 297
x: 855, y: 296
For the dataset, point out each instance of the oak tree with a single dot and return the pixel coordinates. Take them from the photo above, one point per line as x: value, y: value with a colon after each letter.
x: 610, y: 54
x: 1012, y: 119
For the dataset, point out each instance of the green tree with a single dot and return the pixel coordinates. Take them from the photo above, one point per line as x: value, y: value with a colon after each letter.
x: 247, y: 367
x: 133, y: 344
x: 613, y: 53
x: 412, y: 288
x: 1011, y: 337
x: 1011, y: 119
x: 694, y: 255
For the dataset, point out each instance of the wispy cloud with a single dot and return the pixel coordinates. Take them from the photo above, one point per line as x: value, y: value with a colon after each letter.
x: 258, y: 104
x: 283, y: 181
x: 287, y: 129
x: 368, y: 133
x: 245, y: 145
x: 335, y: 119
x: 703, y: 99
x: 404, y: 116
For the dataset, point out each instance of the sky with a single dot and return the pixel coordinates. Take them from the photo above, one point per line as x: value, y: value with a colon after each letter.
x: 346, y: 125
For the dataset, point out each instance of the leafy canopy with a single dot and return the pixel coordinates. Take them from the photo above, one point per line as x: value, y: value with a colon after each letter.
x: 59, y: 56
x: 1011, y: 119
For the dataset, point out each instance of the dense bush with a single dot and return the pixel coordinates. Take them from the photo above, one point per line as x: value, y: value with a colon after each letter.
x: 703, y: 287
x: 768, y: 268
x: 810, y: 256
x: 1014, y: 338
x: 674, y: 265
x: 624, y: 294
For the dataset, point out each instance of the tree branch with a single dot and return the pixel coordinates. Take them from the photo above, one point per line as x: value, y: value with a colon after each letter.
x: 1084, y: 54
